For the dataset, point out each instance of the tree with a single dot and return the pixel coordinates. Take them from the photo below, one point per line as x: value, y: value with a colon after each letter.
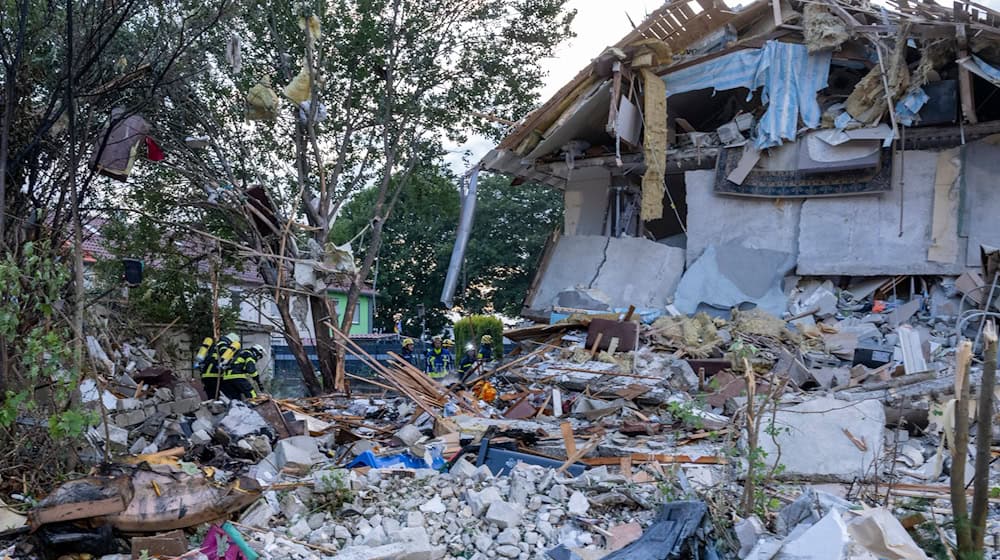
x: 414, y: 259
x: 178, y: 269
x: 511, y: 226
x: 66, y: 65
x: 392, y: 78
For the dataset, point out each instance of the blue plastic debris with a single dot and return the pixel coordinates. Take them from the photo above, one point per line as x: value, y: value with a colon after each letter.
x: 404, y: 459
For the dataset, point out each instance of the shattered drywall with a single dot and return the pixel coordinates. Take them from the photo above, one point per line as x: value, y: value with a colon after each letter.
x: 861, y: 235
x: 755, y: 223
x: 629, y: 270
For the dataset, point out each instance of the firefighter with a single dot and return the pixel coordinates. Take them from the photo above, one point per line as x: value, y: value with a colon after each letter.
x: 408, y: 353
x: 214, y: 363
x: 439, y: 359
x: 240, y: 378
x: 469, y: 361
x: 486, y: 348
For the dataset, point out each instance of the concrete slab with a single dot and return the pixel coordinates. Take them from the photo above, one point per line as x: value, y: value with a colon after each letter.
x: 838, y: 458
x: 629, y: 270
x: 731, y: 275
x: 860, y: 235
x: 982, y: 167
x: 717, y: 220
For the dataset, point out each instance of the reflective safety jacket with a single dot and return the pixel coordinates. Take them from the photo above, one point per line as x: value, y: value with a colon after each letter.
x: 244, y: 366
x: 466, y: 364
x: 439, y: 362
x: 486, y: 353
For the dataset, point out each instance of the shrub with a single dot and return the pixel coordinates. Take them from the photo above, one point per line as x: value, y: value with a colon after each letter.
x: 472, y: 328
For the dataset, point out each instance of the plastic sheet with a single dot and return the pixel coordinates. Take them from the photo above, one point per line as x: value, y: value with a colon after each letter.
x: 404, y: 459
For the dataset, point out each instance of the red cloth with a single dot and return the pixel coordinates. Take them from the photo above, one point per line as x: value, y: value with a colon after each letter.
x: 153, y: 151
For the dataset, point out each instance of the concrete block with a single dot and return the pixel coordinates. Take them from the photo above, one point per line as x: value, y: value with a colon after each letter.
x: 463, y: 468
x: 185, y: 391
x: 753, y: 222
x: 297, y: 454
x: 164, y: 408
x: 186, y: 406
x: 129, y: 404
x: 860, y: 235
x: 130, y: 418
x: 152, y: 424
x: 201, y: 437
x: 116, y: 436
x: 628, y: 270
x: 242, y: 421
x: 138, y: 445
x: 480, y: 501
x: 258, y: 515
x: 799, y: 428
x: 504, y: 515
x: 165, y: 394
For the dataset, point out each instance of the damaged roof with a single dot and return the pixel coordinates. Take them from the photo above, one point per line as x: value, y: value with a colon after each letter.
x: 687, y: 33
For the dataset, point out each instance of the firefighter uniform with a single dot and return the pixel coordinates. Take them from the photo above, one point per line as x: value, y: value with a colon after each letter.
x: 240, y: 378
x: 408, y: 354
x: 213, y: 365
x: 468, y: 362
x: 486, y: 348
x: 439, y: 360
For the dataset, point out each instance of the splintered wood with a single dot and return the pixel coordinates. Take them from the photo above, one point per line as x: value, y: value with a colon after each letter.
x: 429, y: 395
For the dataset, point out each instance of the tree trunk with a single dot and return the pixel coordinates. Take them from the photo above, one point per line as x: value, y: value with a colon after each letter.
x: 323, y: 311
x: 298, y: 350
x: 78, y: 273
x: 960, y: 451
x: 291, y: 333
x: 984, y: 436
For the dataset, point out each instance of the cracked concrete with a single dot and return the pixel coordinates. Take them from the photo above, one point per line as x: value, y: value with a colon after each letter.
x: 628, y: 270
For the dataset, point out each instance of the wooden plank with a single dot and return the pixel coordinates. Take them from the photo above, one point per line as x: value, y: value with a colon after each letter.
x: 776, y: 12
x: 595, y: 347
x: 965, y: 91
x: 575, y: 457
x: 78, y: 510
x: 654, y: 459
x: 568, y: 438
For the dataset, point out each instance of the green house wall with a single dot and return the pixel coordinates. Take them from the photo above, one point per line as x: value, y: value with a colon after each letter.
x: 362, y: 316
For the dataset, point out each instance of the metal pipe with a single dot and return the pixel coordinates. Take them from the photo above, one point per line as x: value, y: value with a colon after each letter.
x: 461, y: 239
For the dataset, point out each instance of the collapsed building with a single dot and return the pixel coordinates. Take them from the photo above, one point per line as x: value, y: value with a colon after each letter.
x: 713, y: 151
x: 749, y: 232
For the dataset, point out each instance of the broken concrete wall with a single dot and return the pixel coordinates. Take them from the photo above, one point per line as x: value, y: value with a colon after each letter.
x: 586, y: 201
x: 754, y: 223
x: 628, y: 270
x: 860, y: 235
x: 982, y: 205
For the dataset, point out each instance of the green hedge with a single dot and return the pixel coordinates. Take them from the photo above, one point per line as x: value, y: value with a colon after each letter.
x: 472, y: 328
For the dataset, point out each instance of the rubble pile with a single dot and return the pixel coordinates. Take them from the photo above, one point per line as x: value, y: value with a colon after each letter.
x: 592, y: 449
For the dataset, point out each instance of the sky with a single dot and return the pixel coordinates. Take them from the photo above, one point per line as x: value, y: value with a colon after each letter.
x: 598, y: 24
